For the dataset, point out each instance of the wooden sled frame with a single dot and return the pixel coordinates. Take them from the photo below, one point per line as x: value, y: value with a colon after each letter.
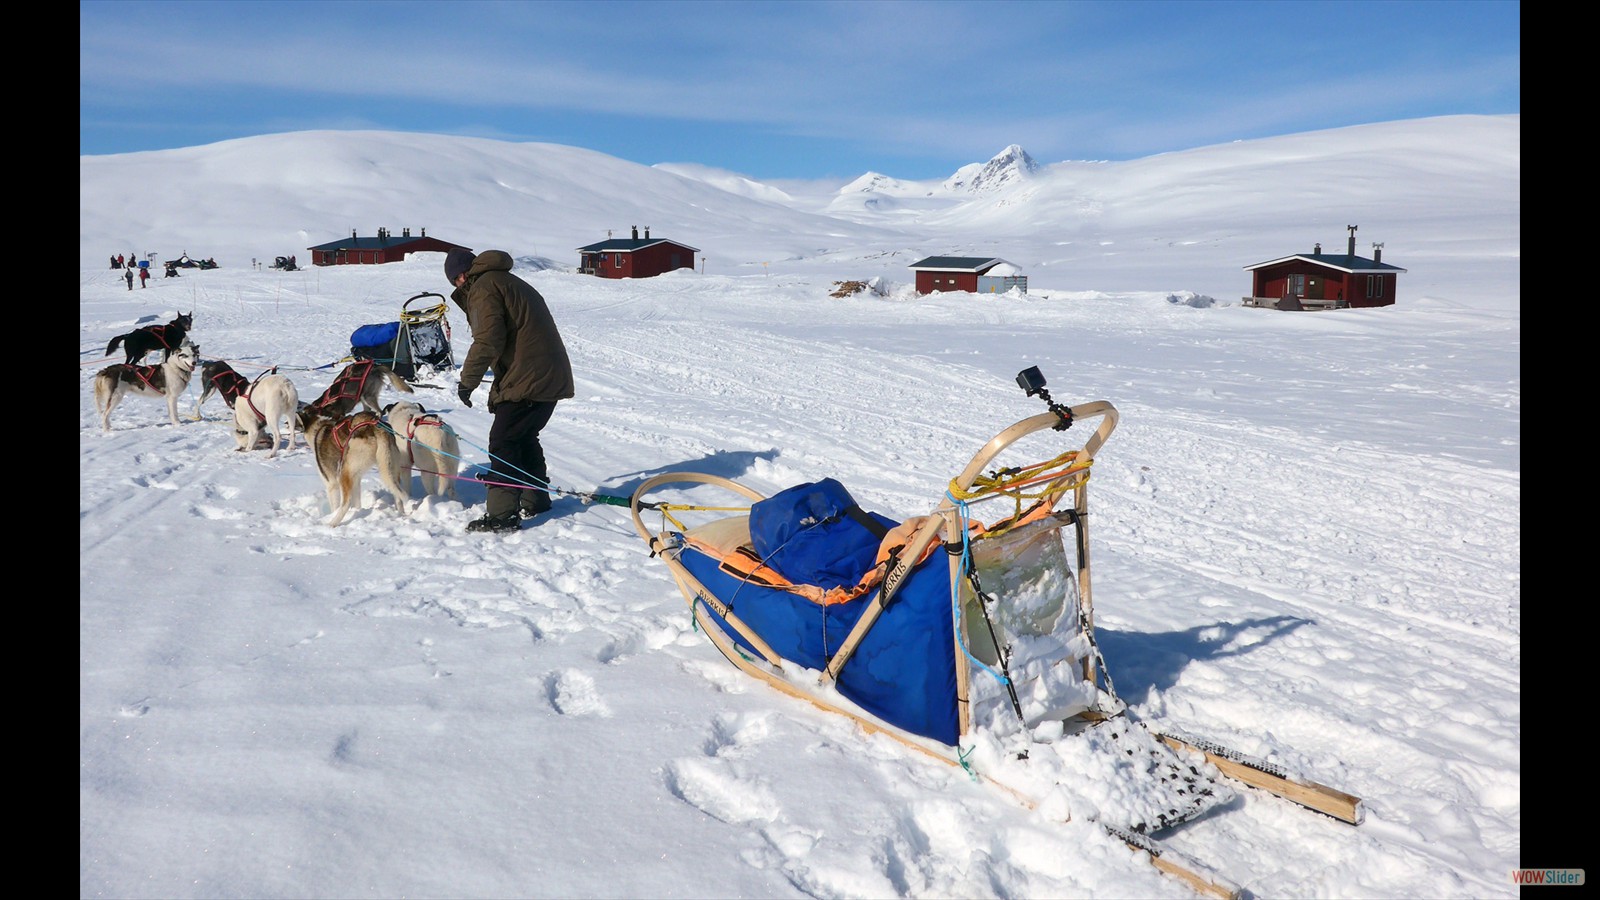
x: 945, y: 524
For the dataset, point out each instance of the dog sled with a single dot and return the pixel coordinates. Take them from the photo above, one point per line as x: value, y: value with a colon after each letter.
x: 416, y: 345
x: 966, y: 634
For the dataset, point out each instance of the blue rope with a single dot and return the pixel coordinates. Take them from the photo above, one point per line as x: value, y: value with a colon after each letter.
x: 525, y: 485
x: 955, y: 589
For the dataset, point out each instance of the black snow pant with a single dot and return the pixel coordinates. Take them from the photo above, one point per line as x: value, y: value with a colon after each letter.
x: 517, y: 458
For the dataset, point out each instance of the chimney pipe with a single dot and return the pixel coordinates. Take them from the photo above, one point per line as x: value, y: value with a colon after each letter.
x: 405, y: 232
x: 1317, y: 249
x: 1352, y: 250
x: 647, y: 232
x: 424, y: 232
x: 353, y: 234
x: 1377, y: 252
x: 636, y: 232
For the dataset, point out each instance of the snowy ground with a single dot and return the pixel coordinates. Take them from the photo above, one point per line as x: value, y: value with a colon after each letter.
x: 1307, y: 547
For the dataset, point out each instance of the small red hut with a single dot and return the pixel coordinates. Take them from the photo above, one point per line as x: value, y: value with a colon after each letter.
x: 1318, y: 280
x: 385, y: 248
x: 635, y: 257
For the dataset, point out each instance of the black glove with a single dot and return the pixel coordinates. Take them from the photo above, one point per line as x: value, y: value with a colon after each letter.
x: 465, y: 393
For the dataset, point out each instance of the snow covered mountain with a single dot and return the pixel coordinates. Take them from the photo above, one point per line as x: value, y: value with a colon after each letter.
x: 1009, y: 167
x: 1189, y: 220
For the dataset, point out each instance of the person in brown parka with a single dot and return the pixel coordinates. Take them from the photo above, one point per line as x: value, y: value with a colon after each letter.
x: 513, y: 334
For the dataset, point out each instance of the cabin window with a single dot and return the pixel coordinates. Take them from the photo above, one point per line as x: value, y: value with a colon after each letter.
x: 1374, y: 287
x: 616, y: 260
x: 1294, y: 286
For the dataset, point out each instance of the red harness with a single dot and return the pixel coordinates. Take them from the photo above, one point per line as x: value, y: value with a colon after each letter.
x: 145, y: 374
x: 159, y: 332
x: 411, y: 430
x: 344, y: 431
x: 229, y: 384
x: 250, y: 397
x: 349, y: 384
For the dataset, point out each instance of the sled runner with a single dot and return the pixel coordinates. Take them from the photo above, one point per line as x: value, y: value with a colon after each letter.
x: 968, y: 638
x: 417, y: 344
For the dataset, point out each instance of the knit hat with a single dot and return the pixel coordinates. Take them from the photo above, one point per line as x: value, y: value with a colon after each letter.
x: 457, y: 261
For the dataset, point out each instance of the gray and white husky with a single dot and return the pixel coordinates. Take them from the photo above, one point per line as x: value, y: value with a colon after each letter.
x: 167, y: 380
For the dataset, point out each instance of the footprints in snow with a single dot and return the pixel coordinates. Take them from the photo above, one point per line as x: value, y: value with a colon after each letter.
x: 572, y: 692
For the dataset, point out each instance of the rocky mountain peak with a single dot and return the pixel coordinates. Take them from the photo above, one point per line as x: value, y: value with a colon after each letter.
x: 1010, y: 166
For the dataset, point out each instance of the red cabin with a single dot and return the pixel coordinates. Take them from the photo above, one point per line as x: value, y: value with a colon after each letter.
x: 1324, y: 280
x: 966, y: 273
x: 635, y: 257
x: 385, y: 248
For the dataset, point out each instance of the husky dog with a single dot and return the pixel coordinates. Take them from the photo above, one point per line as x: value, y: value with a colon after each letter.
x: 428, y: 445
x: 360, y: 381
x: 139, y: 342
x: 217, y: 377
x: 345, y: 449
x: 168, y: 380
x: 262, y: 407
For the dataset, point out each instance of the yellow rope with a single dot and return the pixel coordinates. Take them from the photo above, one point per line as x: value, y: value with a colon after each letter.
x: 1058, y: 475
x: 421, y: 316
x: 669, y: 517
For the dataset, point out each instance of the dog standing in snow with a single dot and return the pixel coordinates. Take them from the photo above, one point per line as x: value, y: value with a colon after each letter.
x: 167, y: 338
x: 262, y: 407
x: 428, y: 445
x: 167, y: 380
x: 345, y: 449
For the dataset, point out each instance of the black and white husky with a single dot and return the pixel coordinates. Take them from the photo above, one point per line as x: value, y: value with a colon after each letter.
x: 427, y: 445
x: 139, y: 342
x: 217, y: 377
x: 167, y: 380
x: 345, y: 449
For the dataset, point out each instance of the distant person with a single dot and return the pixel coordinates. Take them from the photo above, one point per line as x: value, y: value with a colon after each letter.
x: 514, y: 334
x: 172, y: 270
x: 127, y: 275
x: 144, y: 275
x: 115, y: 264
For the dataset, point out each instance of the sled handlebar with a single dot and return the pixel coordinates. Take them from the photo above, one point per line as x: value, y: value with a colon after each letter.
x: 944, y: 515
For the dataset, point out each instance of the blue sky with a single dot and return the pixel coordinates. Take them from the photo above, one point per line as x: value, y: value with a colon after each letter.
x: 781, y: 90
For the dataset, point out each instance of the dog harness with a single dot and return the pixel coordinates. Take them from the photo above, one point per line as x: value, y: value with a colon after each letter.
x: 349, y: 384
x: 250, y: 398
x: 159, y: 332
x: 344, y: 430
x: 411, y: 433
x: 229, y: 384
x: 146, y: 374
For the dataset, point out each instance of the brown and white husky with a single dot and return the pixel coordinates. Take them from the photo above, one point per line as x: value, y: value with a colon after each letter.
x: 345, y: 449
